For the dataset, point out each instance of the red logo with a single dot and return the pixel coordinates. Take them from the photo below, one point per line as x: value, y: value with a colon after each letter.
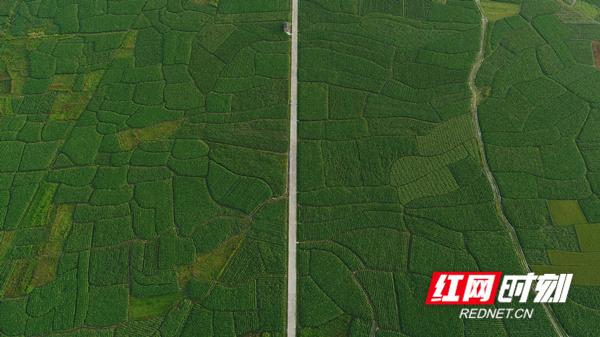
x: 473, y: 288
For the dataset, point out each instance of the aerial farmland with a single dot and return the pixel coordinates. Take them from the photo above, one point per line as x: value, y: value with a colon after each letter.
x: 299, y: 168
x: 144, y: 166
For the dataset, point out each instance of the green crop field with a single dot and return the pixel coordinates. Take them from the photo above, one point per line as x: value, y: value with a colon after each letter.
x: 390, y: 171
x: 143, y: 171
x: 390, y: 182
x: 145, y: 166
x: 539, y: 126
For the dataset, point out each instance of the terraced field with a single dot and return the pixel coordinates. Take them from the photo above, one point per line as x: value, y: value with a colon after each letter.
x: 539, y: 101
x: 391, y: 170
x: 142, y: 179
x: 390, y: 180
x: 144, y: 149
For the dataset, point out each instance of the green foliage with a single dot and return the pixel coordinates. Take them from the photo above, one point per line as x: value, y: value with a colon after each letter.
x: 239, y: 192
x: 238, y: 298
x: 177, y: 48
x: 138, y: 328
x: 174, y: 251
x: 80, y: 176
x: 117, y: 258
x: 38, y: 156
x: 334, y: 327
x: 11, y: 151
x: 106, y: 23
x: 111, y: 117
x: 82, y: 145
x: 566, y: 212
x: 67, y: 19
x: 182, y: 96
x: 14, y: 316
x: 38, y: 213
x: 107, y: 306
x: 80, y: 238
x: 229, y: 6
x: 41, y: 65
x: 311, y: 296
x: 218, y: 102
x: 198, y: 317
x: 384, y: 250
x: 110, y: 177
x: 175, y: 318
x: 345, y: 291
x: 204, y: 67
x: 149, y: 93
x: 496, y: 10
x: 140, y: 308
x: 272, y: 65
x: 112, y: 231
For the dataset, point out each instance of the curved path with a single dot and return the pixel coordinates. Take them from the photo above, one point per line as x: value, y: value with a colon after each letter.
x: 488, y: 173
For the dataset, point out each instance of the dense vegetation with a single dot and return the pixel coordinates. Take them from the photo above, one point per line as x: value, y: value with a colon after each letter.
x: 390, y: 177
x: 143, y: 153
x: 539, y: 111
x: 142, y: 173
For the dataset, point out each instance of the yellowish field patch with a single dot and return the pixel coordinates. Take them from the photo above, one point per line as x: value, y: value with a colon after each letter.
x: 588, y: 237
x: 62, y: 82
x: 45, y: 270
x: 582, y: 275
x: 6, y: 107
x: 151, y: 306
x: 596, y: 53
x: 129, y: 139
x: 585, y: 263
x: 496, y: 10
x: 567, y: 258
x: 214, y: 3
x: 127, y: 46
x: 6, y: 239
x: 210, y: 266
x: 586, y: 9
x: 566, y: 212
x: 18, y: 282
x: 38, y: 212
x: 579, y: 12
x: 69, y: 105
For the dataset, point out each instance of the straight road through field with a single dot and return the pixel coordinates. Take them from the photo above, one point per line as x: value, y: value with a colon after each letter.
x: 292, y: 169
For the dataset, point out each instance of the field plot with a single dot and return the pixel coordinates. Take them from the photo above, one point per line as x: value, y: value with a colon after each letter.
x: 390, y: 180
x: 496, y: 10
x: 596, y: 53
x: 539, y: 114
x: 143, y: 167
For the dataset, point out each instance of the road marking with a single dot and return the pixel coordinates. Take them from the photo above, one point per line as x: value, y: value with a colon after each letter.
x: 292, y: 170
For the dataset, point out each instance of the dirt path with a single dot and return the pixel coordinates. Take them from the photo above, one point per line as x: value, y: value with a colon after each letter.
x: 488, y: 173
x: 292, y: 177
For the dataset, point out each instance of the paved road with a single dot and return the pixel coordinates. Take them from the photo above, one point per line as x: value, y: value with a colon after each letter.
x: 292, y: 169
x: 488, y: 173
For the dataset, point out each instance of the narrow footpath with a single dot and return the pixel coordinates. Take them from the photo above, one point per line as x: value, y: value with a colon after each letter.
x: 488, y: 173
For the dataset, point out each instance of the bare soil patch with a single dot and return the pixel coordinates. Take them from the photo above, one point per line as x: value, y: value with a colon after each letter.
x: 596, y: 52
